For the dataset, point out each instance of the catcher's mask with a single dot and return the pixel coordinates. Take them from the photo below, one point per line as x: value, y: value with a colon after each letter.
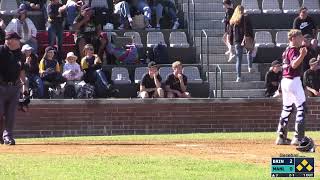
x: 306, y: 145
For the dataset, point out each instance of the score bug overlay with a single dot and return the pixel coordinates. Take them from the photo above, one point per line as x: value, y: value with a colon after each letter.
x: 292, y: 167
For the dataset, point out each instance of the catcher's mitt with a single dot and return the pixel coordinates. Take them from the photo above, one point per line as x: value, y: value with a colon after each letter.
x: 306, y: 145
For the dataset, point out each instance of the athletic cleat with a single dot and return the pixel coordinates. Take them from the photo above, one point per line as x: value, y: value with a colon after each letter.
x: 295, y: 141
x: 282, y: 141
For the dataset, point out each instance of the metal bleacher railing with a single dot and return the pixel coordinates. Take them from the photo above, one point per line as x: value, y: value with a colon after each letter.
x: 191, y: 2
x: 218, y: 69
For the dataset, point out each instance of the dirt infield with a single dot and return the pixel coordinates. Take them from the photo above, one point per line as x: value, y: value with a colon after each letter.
x: 251, y: 151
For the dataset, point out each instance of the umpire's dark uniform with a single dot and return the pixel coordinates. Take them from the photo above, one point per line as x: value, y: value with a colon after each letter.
x: 10, y: 84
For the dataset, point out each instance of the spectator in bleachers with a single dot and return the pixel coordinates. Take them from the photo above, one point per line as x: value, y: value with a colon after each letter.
x: 2, y: 31
x: 176, y: 83
x: 305, y: 23
x: 72, y: 9
x: 311, y: 78
x: 273, y: 78
x: 93, y: 74
x: 228, y: 6
x: 56, y: 13
x: 240, y: 27
x: 159, y: 6
x: 71, y: 69
x: 31, y: 66
x: 89, y: 32
x: 122, y: 8
x: 150, y: 86
x: 49, y: 67
x: 34, y: 5
x: 311, y: 52
x: 25, y: 28
x: 142, y: 7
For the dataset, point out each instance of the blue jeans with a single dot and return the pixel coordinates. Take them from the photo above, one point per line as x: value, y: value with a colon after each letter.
x: 71, y: 14
x: 239, y: 54
x: 36, y: 82
x: 144, y: 7
x: 102, y: 85
x: 171, y: 11
x: 53, y: 32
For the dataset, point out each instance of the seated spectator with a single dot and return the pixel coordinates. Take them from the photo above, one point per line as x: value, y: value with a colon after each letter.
x: 273, y: 78
x: 72, y: 9
x: 93, y: 74
x: 176, y: 83
x: 31, y: 66
x: 25, y: 28
x: 89, y: 32
x: 121, y: 7
x: 159, y: 6
x: 142, y: 7
x: 34, y: 5
x: 150, y: 86
x: 312, y: 53
x: 71, y: 69
x: 56, y: 13
x: 311, y: 79
x: 306, y: 24
x: 49, y: 68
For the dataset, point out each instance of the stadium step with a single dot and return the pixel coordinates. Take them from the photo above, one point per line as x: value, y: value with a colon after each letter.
x: 232, y: 85
x: 213, y: 41
x: 213, y: 49
x: 198, y: 1
x: 220, y: 59
x: 205, y: 16
x: 207, y: 24
x: 203, y: 7
x: 245, y: 93
x: 230, y: 67
x: 210, y: 32
x: 231, y: 76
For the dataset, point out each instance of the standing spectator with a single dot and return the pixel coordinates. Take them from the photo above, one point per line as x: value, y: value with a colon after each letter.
x: 71, y: 69
x: 312, y: 53
x: 34, y: 5
x: 49, y: 68
x: 228, y: 6
x: 150, y: 86
x: 176, y: 83
x: 89, y: 32
x: 72, y: 9
x: 31, y: 65
x: 159, y: 6
x: 306, y: 24
x: 93, y: 74
x: 273, y: 78
x: 56, y: 13
x: 121, y: 7
x: 240, y: 27
x: 311, y: 78
x: 25, y: 28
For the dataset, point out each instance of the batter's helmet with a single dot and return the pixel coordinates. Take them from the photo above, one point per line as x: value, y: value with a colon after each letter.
x: 306, y: 145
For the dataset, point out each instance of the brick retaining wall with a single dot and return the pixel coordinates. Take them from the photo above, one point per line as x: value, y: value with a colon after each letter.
x: 153, y: 116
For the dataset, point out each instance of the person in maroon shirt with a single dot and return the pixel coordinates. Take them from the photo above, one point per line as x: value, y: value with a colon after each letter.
x: 292, y: 89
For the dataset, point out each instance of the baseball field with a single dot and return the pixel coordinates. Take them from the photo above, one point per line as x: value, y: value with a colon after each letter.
x: 188, y: 156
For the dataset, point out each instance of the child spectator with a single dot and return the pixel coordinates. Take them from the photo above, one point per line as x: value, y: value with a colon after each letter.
x: 25, y: 28
x: 89, y: 32
x: 150, y: 86
x: 311, y: 78
x: 56, y: 13
x: 228, y: 6
x: 71, y: 69
x: 49, y: 67
x: 91, y: 65
x: 31, y: 66
x: 176, y: 83
x: 273, y: 78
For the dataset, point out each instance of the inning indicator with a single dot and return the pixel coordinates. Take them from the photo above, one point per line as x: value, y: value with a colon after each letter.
x: 292, y: 167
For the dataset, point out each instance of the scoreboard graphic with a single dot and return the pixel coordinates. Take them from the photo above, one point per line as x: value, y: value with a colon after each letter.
x: 292, y: 167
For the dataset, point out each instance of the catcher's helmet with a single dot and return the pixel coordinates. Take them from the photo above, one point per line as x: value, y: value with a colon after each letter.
x: 306, y: 145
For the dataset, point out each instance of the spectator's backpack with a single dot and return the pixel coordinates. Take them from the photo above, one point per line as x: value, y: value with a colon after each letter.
x: 69, y: 91
x: 86, y: 92
x: 160, y: 54
x: 124, y: 56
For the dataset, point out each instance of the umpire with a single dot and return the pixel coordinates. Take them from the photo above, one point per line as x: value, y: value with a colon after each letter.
x: 11, y: 81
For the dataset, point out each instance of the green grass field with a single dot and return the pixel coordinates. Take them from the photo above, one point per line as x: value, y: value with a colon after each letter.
x: 17, y: 164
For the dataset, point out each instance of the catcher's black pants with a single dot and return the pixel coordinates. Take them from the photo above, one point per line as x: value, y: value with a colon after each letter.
x: 9, y: 98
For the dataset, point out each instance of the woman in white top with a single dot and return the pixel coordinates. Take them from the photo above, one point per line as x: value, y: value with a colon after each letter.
x: 71, y: 69
x: 25, y: 28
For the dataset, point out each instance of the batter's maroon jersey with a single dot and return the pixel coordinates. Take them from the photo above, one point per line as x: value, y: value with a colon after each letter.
x: 289, y: 55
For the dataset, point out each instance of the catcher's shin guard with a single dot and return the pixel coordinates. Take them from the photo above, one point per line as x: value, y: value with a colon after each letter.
x: 300, y: 122
x: 283, y: 122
